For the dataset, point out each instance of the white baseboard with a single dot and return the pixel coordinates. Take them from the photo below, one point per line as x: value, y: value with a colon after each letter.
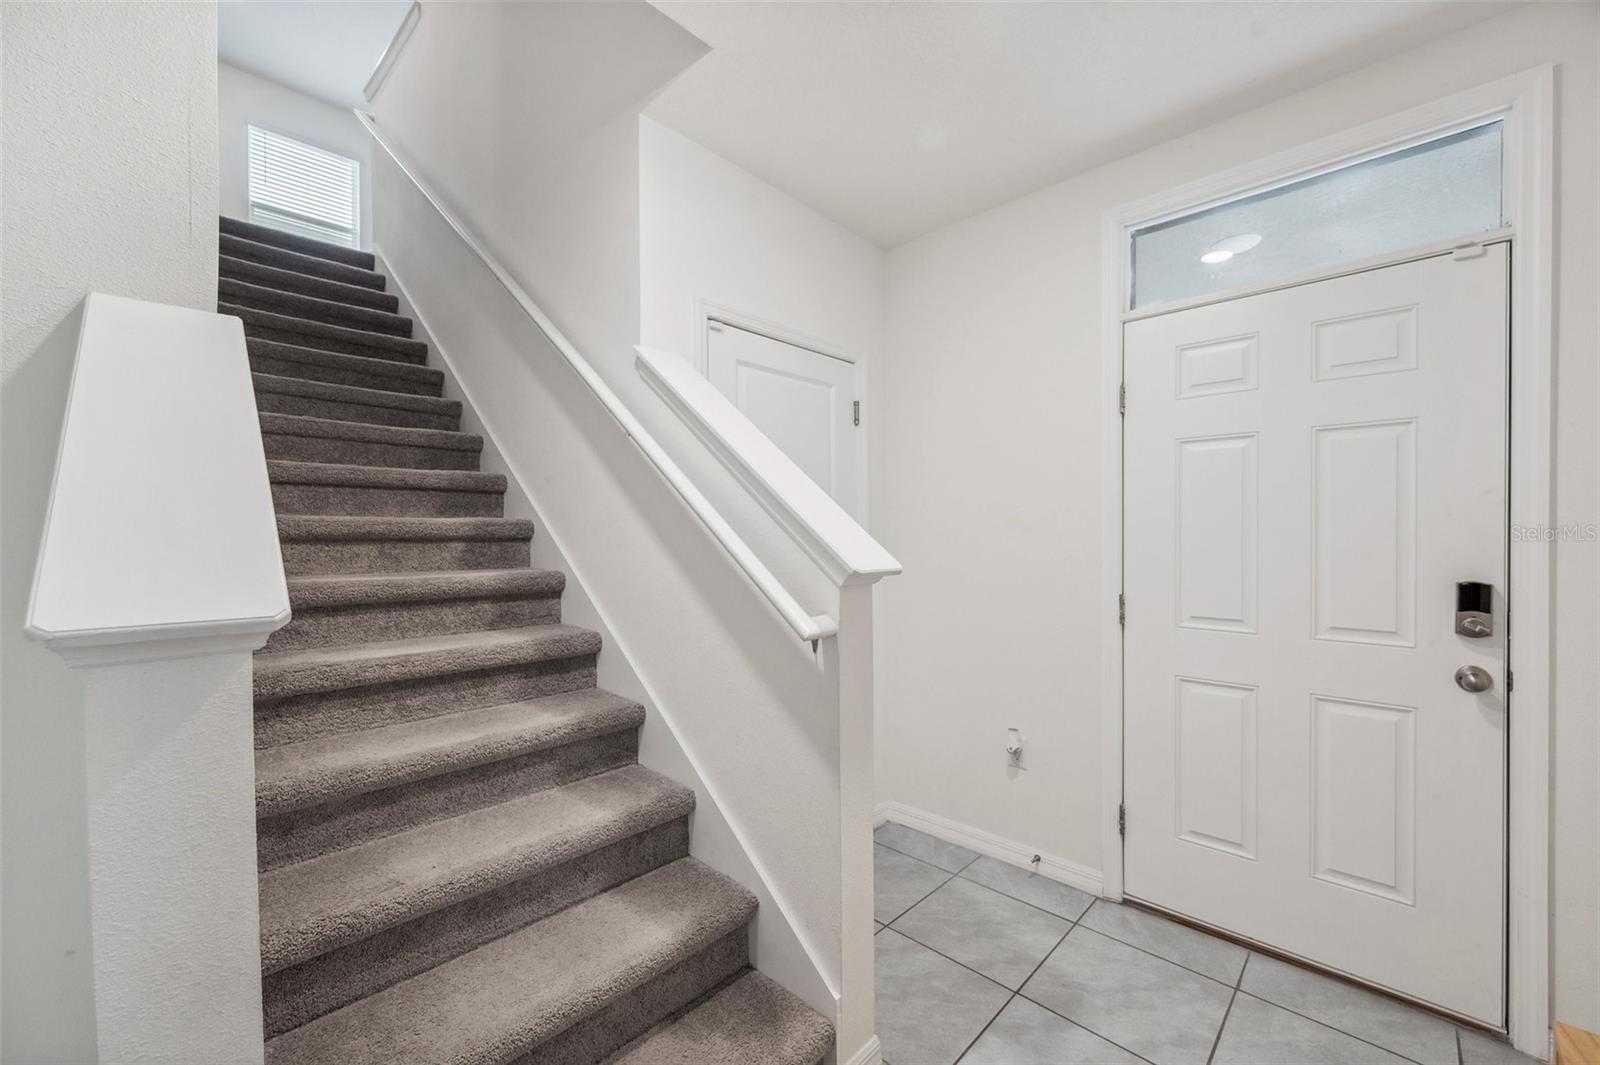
x: 870, y: 1054
x: 987, y: 843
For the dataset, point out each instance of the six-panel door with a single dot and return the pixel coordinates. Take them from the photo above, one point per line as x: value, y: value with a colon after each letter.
x: 1308, y: 473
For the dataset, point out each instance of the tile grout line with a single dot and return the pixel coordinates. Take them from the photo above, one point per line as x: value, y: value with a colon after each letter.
x: 1237, y: 986
x: 924, y: 861
x: 1332, y: 1028
x: 1000, y: 891
x: 1017, y: 993
x: 919, y: 902
x: 1237, y: 981
x: 1153, y: 954
x: 1007, y: 1003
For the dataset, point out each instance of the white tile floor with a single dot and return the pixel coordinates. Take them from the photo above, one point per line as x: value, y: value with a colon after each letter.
x: 982, y: 962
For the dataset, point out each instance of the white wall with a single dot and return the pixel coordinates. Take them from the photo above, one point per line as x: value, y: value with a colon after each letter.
x: 553, y: 188
x: 110, y: 177
x: 711, y: 231
x: 990, y: 491
x: 245, y: 99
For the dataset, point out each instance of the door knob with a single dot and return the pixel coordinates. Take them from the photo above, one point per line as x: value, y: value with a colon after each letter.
x: 1474, y: 679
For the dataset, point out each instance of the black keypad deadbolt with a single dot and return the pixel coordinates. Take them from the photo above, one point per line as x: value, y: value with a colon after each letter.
x: 1474, y: 609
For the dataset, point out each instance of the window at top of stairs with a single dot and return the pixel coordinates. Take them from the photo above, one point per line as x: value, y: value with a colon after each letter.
x: 300, y: 188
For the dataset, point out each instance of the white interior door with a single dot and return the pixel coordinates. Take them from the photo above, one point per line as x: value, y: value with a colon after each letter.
x: 804, y: 401
x: 1308, y: 474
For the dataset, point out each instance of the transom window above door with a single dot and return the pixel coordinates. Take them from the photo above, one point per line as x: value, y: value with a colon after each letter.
x: 1444, y: 188
x: 300, y: 188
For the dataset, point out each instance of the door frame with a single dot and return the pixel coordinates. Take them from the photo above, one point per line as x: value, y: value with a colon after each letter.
x: 1525, y: 102
x: 706, y: 312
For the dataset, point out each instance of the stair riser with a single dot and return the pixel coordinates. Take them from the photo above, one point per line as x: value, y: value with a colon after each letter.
x: 629, y: 1015
x: 358, y: 376
x: 302, y: 717
x: 321, y: 985
x: 277, y: 238
x: 310, y: 406
x: 366, y: 453
x: 303, y: 834
x: 313, y: 309
x: 337, y: 626
x: 307, y: 285
x: 385, y: 502
x: 306, y: 557
x: 282, y: 259
x: 326, y: 343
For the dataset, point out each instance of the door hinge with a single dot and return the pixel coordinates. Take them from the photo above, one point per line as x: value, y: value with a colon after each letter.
x: 1511, y: 681
x: 1122, y: 609
x: 856, y: 411
x: 1122, y: 819
x: 1122, y: 399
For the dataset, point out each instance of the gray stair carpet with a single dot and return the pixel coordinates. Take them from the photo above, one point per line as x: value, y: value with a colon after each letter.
x: 461, y: 859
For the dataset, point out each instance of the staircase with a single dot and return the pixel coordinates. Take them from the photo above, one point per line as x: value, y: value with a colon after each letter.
x: 461, y: 859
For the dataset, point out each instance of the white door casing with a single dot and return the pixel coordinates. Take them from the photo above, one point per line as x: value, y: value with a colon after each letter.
x: 1308, y: 472
x: 804, y: 402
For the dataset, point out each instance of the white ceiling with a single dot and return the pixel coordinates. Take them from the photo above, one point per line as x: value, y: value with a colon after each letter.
x: 326, y: 49
x: 896, y: 118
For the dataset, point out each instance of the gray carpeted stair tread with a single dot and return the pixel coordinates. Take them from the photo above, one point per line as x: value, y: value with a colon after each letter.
x: 316, y: 364
x: 295, y: 527
x: 282, y: 674
x: 324, y: 903
x: 310, y: 265
x: 310, y: 334
x: 330, y: 768
x: 512, y: 994
x: 307, y: 284
x: 311, y: 308
x: 322, y: 591
x: 751, y: 1020
x: 332, y: 473
x: 368, y: 432
x: 365, y: 397
x: 321, y: 249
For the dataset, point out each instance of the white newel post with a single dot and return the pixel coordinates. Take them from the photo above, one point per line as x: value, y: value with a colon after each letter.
x: 158, y: 575
x: 851, y: 666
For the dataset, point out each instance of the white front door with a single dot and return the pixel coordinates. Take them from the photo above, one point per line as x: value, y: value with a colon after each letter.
x: 1309, y: 473
x: 802, y: 400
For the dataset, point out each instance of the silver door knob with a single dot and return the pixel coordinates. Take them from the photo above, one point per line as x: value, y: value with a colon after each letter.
x: 1474, y: 679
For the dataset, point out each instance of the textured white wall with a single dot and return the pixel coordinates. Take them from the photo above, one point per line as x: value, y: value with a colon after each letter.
x: 110, y: 178
x: 552, y: 187
x: 710, y: 230
x: 245, y: 99
x: 991, y: 490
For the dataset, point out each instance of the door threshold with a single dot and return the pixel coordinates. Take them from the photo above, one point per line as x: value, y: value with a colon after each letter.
x: 1311, y: 966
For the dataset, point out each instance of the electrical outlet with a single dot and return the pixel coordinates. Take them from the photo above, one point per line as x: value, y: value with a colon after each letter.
x: 1014, y: 747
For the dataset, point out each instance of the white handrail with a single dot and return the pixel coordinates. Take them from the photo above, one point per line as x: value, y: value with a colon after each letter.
x: 807, y: 626
x: 845, y: 551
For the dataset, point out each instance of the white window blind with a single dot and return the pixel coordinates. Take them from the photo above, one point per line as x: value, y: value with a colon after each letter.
x: 302, y: 189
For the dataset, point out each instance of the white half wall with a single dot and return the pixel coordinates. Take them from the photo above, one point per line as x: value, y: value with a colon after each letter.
x: 990, y: 489
x: 245, y: 99
x: 110, y: 176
